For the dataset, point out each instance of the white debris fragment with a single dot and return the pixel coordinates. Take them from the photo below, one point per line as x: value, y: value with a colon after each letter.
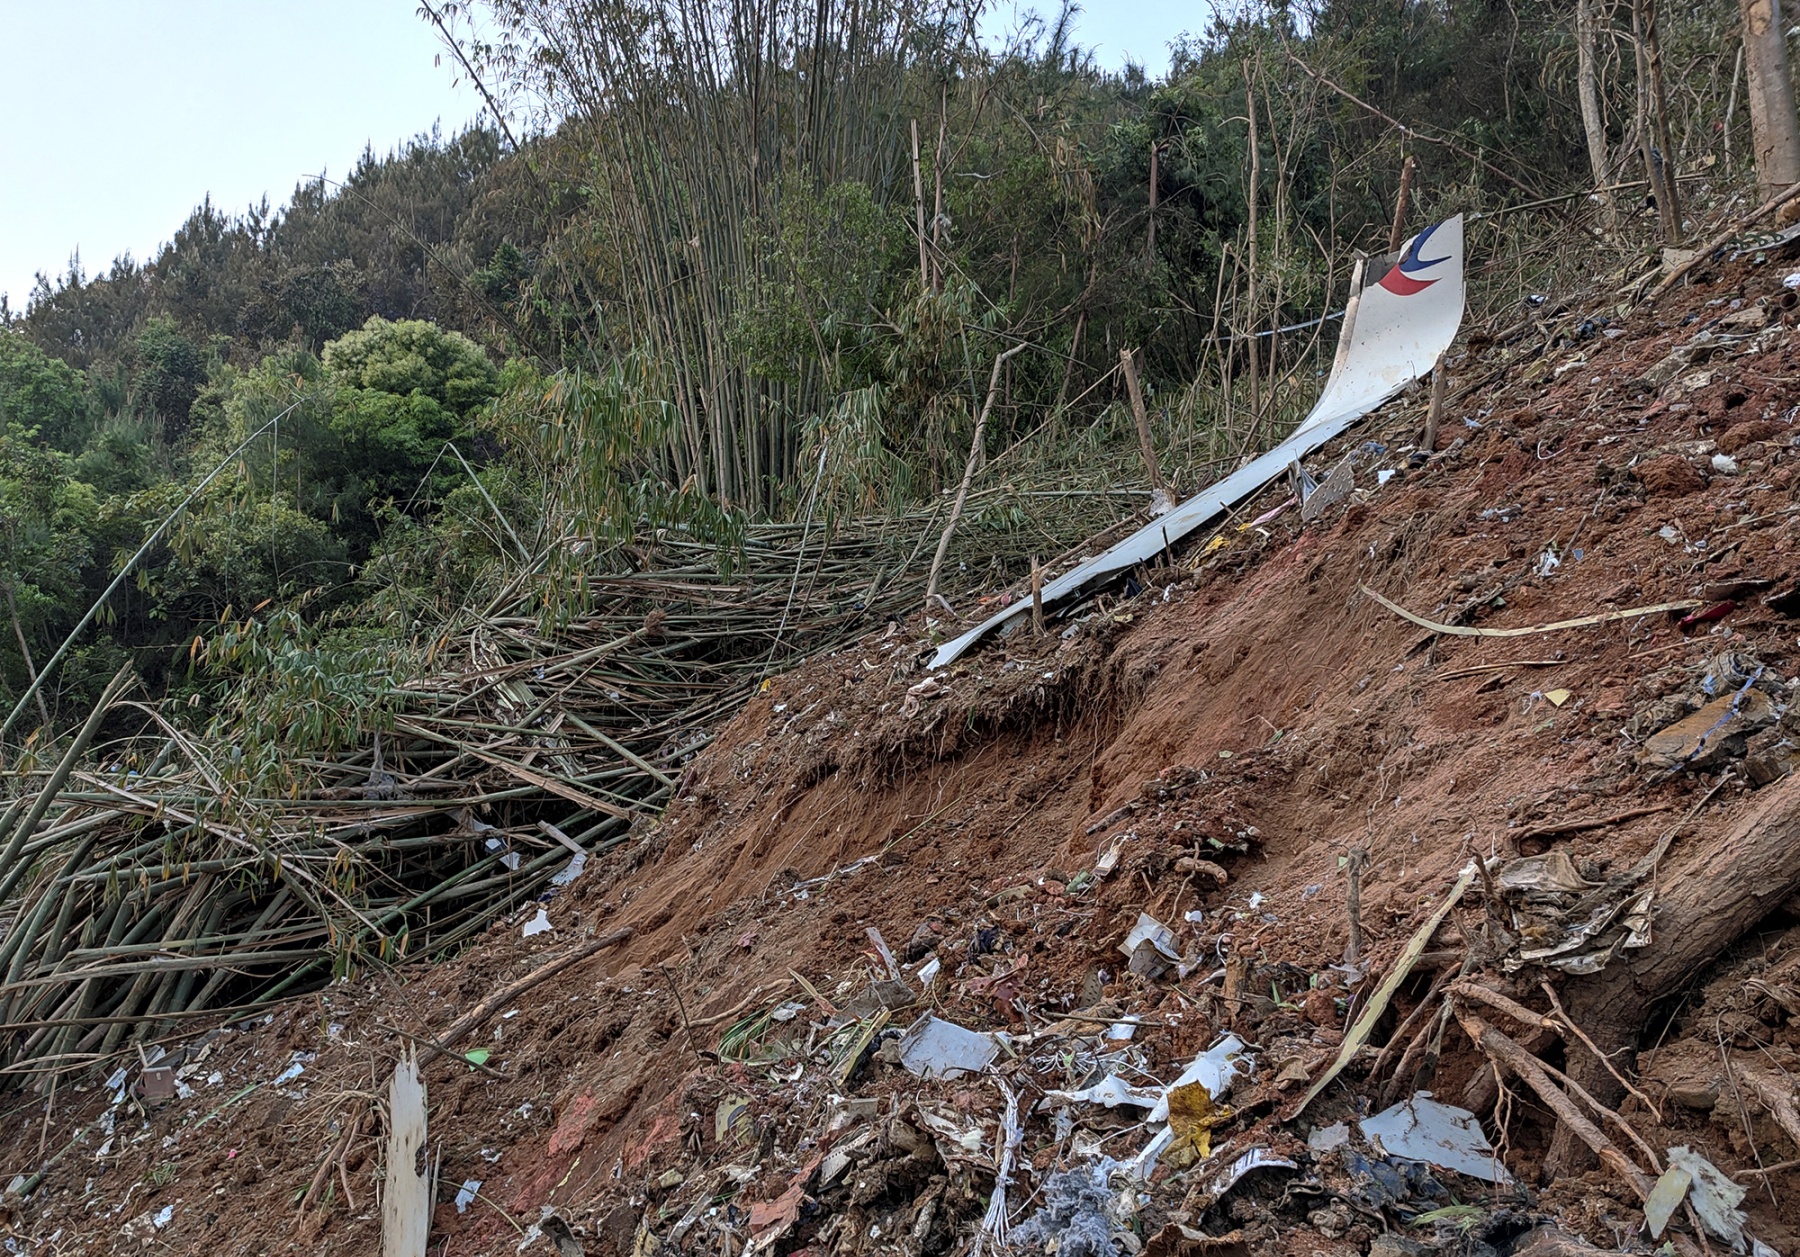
x: 572, y: 870
x: 1325, y: 1138
x: 1421, y: 1129
x: 935, y: 1048
x: 1216, y: 1069
x: 1110, y: 1092
x: 1664, y: 1199
x: 296, y: 1067
x: 540, y: 924
x: 1149, y: 930
x: 1715, y: 1197
x: 466, y: 1196
x: 1258, y: 1158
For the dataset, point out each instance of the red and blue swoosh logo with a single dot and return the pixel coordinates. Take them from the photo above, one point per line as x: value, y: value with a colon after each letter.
x: 1403, y: 280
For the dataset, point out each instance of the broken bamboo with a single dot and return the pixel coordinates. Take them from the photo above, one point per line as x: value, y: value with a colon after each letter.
x: 962, y: 491
x: 1141, y: 417
x: 1372, y: 1011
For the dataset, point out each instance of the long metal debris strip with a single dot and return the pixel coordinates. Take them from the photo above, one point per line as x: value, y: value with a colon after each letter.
x: 1394, y: 330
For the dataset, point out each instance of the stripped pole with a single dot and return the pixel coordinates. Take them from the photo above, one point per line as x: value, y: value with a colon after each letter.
x: 1128, y: 365
x: 1396, y: 233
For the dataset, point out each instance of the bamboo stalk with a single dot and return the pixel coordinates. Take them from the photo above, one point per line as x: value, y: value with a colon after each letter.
x: 962, y: 492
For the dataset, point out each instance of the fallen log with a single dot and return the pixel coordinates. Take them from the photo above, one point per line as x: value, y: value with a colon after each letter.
x: 1711, y: 892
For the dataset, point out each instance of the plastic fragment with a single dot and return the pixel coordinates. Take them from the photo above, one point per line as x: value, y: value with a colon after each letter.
x: 1666, y: 1197
x: 1714, y: 1197
x: 1441, y: 1135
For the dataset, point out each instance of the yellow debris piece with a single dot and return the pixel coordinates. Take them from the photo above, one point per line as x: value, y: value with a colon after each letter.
x: 1192, y: 1115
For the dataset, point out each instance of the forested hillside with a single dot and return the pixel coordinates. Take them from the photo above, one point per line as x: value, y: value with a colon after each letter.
x: 758, y: 265
x: 649, y: 616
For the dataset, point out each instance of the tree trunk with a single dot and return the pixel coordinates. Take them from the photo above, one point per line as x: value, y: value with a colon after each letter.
x: 1591, y: 120
x: 1655, y: 162
x: 1659, y: 103
x: 1715, y: 887
x: 1774, y: 131
x: 1249, y: 324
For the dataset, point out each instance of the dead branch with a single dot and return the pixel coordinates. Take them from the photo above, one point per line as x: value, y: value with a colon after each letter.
x: 1529, y: 1070
x: 493, y: 1003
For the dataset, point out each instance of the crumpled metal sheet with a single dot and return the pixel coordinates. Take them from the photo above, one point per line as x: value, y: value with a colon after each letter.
x: 1565, y: 922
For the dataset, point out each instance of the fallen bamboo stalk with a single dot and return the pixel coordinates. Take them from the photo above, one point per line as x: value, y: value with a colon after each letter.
x: 962, y: 492
x: 543, y: 973
x: 1586, y: 621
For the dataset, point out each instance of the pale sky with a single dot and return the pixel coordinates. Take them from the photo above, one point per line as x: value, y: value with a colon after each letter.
x: 125, y: 114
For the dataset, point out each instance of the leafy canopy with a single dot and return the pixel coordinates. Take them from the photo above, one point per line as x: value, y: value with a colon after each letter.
x: 412, y: 356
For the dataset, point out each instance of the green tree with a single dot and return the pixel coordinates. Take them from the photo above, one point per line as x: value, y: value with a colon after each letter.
x: 47, y: 520
x: 41, y: 393
x: 413, y: 356
x: 167, y: 371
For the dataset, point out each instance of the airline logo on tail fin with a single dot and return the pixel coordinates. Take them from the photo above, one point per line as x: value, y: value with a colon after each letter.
x: 1403, y: 280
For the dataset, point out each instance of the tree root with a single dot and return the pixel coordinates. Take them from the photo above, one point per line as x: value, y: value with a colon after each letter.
x: 1776, y: 1096
x: 1504, y: 1051
x: 1529, y: 1070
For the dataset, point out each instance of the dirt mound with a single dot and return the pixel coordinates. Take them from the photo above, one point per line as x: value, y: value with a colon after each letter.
x: 1238, y: 749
